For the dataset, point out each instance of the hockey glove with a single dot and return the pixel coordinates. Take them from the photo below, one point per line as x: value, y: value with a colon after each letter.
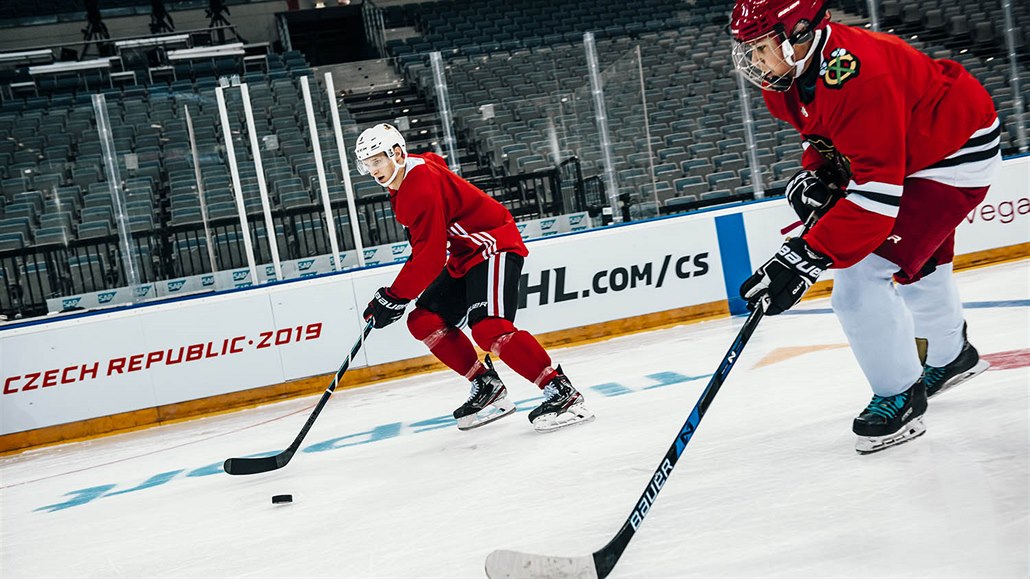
x: 785, y: 278
x: 385, y: 308
x: 810, y: 197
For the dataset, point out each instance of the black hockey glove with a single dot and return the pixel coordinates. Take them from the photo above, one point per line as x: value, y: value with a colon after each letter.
x: 385, y: 308
x: 810, y: 197
x: 785, y: 278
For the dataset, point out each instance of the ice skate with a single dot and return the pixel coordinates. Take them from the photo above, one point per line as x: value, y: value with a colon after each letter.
x: 488, y: 400
x: 965, y: 366
x: 891, y: 420
x: 562, y: 406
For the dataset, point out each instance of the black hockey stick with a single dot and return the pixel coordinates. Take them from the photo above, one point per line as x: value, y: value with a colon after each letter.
x: 269, y: 463
x: 511, y: 564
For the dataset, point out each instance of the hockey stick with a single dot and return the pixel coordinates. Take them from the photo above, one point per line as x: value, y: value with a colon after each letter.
x: 512, y: 564
x: 269, y: 463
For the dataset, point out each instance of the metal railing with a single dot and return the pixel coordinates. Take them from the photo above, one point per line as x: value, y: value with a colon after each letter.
x: 31, y: 275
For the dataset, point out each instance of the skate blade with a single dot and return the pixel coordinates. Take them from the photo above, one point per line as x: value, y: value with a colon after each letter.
x: 499, y: 410
x: 963, y: 377
x: 576, y: 414
x: 871, y: 444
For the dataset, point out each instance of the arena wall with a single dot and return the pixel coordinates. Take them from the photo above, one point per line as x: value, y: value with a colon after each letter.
x: 105, y: 371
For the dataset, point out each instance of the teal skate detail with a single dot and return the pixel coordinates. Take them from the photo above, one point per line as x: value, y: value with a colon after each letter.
x: 887, y: 406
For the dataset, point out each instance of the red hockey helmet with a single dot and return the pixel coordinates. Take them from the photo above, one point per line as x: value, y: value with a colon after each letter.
x: 786, y: 22
x: 752, y: 19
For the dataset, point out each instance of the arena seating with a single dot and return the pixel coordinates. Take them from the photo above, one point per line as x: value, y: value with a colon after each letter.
x: 526, y: 64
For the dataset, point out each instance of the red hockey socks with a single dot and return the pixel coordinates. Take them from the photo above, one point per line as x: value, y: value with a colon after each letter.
x: 449, y: 344
x: 517, y: 348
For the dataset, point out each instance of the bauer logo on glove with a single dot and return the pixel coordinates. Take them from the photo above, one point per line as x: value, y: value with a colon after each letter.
x: 785, y: 278
x: 385, y: 308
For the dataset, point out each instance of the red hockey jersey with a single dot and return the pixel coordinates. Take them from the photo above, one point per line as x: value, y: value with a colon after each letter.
x: 891, y: 112
x: 445, y: 213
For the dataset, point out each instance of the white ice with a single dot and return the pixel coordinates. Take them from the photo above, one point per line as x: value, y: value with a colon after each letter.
x: 770, y: 485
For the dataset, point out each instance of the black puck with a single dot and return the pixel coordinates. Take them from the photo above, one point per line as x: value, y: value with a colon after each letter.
x: 278, y: 499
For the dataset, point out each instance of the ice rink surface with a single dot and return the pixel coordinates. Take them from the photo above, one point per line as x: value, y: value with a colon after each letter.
x: 386, y: 486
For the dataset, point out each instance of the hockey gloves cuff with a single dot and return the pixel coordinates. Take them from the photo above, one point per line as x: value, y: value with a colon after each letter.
x: 786, y: 277
x: 385, y: 308
x: 810, y: 197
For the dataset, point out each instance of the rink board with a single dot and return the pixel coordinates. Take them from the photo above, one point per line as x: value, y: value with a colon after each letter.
x: 123, y: 368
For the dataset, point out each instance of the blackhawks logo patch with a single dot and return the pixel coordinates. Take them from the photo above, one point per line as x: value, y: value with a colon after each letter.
x: 839, y: 69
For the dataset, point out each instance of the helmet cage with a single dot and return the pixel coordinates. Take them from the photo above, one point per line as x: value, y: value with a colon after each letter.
x: 744, y: 61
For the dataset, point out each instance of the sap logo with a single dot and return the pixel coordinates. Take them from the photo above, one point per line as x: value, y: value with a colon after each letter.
x: 575, y: 219
x: 143, y: 291
x: 369, y: 254
x: 244, y: 284
x: 70, y: 303
x: 106, y: 297
x: 207, y: 280
x: 176, y: 285
x: 546, y: 224
x: 309, y: 274
x: 270, y: 271
x: 399, y: 248
x: 305, y: 264
x: 522, y: 227
x: 372, y: 262
x: 240, y: 275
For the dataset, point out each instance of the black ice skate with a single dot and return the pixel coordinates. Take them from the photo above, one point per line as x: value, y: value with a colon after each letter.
x: 891, y: 420
x: 488, y: 400
x: 965, y: 366
x: 562, y: 406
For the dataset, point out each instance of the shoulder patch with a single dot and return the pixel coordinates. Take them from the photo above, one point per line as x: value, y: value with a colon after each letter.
x: 841, y: 67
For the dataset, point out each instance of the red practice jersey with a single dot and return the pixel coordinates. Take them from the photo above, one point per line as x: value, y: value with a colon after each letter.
x: 450, y: 223
x: 872, y: 101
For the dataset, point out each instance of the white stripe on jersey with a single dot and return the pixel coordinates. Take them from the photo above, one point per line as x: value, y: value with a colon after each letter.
x: 868, y: 204
x: 882, y: 198
x: 980, y: 173
x: 876, y: 187
x: 482, y: 239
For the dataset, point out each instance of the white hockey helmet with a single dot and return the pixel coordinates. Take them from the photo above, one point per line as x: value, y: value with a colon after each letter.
x: 381, y: 138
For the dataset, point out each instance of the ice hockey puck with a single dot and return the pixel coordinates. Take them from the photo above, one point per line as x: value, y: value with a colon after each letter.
x: 278, y: 499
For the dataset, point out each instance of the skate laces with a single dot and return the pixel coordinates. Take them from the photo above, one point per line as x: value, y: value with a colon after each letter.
x: 550, y: 392
x: 932, y: 375
x: 474, y: 391
x: 887, y: 406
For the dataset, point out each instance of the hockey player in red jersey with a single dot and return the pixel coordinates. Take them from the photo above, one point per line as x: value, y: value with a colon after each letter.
x: 466, y: 262
x: 898, y: 148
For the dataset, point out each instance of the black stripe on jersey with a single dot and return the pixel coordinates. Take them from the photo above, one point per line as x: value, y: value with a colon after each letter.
x: 967, y: 158
x: 878, y: 197
x: 983, y: 139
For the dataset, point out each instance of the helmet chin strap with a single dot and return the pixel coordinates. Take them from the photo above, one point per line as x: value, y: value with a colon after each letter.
x: 396, y: 169
x: 788, y: 53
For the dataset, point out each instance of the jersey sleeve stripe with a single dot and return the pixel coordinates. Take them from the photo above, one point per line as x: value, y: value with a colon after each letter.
x: 875, y: 202
x: 875, y: 187
x: 882, y: 198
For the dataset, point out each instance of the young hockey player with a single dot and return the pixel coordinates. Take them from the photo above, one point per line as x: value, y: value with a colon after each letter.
x: 466, y: 262
x: 898, y: 148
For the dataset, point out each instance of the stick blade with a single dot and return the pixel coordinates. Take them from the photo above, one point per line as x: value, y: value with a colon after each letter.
x: 516, y: 565
x: 242, y: 466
